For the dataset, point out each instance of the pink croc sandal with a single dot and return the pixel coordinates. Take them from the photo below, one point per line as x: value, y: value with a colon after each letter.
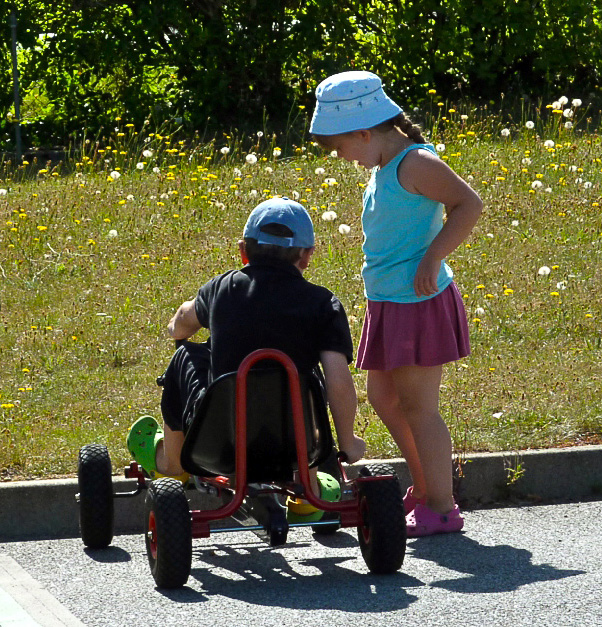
x: 410, y: 501
x: 423, y: 521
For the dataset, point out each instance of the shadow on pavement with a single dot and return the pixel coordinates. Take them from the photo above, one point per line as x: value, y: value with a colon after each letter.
x: 500, y: 568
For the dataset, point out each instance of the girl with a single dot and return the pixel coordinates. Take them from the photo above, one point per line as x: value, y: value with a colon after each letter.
x: 415, y: 319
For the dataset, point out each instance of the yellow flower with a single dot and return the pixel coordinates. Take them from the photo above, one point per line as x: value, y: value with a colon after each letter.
x: 432, y: 91
x: 42, y: 228
x: 588, y: 316
x: 508, y: 291
x: 554, y: 294
x: 480, y: 286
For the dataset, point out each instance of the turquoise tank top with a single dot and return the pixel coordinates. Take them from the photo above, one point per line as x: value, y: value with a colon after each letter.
x: 398, y: 228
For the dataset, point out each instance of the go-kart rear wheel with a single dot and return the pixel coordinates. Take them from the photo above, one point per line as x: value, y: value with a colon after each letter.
x: 168, y: 533
x: 95, y: 496
x: 382, y: 531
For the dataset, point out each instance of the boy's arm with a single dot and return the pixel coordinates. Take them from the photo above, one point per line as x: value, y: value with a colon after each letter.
x: 184, y: 323
x: 342, y: 401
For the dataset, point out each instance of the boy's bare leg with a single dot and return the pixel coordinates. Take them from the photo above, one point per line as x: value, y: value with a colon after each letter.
x: 168, y: 452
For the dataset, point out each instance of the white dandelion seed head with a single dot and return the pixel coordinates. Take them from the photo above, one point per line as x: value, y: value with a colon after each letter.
x: 505, y: 132
x: 440, y: 147
x: 576, y: 102
x: 269, y: 170
x: 568, y: 125
x: 112, y: 233
x: 334, y: 153
x: 253, y: 192
x: 277, y: 152
x: 130, y: 196
x: 530, y: 124
x: 561, y: 285
x: 251, y: 159
x: 319, y: 171
x: 237, y: 172
x: 544, y: 271
x: 156, y: 170
x: 344, y: 229
x: 498, y: 415
x: 330, y: 181
x: 464, y: 116
x: 115, y: 175
x: 479, y: 311
x: 526, y: 161
x: 514, y: 222
x: 296, y: 195
x: 140, y: 165
x: 224, y: 150
x: 3, y: 191
x: 572, y: 168
x: 536, y: 184
x: 260, y: 134
x: 220, y: 205
x: 568, y: 113
x: 563, y: 100
x: 147, y: 154
x: 329, y: 216
x: 490, y: 235
x: 556, y: 104
x: 587, y: 184
x: 578, y: 180
x: 548, y: 190
x: 549, y: 143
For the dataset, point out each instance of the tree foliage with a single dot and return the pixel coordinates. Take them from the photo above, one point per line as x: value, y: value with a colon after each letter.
x: 228, y: 64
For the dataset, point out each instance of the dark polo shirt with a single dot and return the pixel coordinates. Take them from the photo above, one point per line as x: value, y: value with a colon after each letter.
x: 268, y: 304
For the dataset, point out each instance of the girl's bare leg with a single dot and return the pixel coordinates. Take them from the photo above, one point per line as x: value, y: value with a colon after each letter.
x: 417, y: 395
x: 382, y: 395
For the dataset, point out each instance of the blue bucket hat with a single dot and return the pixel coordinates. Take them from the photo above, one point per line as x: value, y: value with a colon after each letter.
x: 351, y: 101
x: 281, y: 211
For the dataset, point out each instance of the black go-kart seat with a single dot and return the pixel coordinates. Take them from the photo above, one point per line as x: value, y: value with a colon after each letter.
x: 209, y: 446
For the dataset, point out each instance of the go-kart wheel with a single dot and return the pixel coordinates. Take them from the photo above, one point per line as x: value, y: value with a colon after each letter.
x: 382, y: 530
x: 95, y: 496
x: 168, y: 533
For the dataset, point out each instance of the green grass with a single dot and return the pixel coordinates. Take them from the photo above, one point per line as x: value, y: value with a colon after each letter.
x: 84, y: 310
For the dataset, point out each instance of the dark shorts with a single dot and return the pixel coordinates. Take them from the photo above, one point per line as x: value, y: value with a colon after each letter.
x: 184, y: 383
x: 427, y: 333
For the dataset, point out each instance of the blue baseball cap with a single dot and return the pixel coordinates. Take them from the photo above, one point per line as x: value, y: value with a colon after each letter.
x: 351, y: 101
x: 281, y: 211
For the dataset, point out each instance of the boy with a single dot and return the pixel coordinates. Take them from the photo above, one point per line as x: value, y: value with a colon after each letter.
x: 266, y: 304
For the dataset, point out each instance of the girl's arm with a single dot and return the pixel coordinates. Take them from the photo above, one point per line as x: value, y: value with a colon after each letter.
x: 422, y: 172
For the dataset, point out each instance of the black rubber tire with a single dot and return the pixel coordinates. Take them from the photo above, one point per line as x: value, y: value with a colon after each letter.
x: 168, y: 533
x: 95, y: 496
x: 382, y: 532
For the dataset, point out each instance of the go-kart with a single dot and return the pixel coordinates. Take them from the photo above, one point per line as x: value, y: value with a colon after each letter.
x: 254, y: 432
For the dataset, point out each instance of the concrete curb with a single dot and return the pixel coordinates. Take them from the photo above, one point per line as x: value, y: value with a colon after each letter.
x: 47, y: 509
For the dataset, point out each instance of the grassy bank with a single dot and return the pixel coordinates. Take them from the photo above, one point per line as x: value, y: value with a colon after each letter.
x: 94, y: 262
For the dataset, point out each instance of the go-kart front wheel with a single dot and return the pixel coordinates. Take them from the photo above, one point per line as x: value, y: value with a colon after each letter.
x: 95, y: 496
x: 382, y: 529
x: 168, y: 533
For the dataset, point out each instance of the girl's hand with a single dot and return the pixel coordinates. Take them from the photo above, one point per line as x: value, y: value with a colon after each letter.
x: 354, y: 449
x: 425, y: 281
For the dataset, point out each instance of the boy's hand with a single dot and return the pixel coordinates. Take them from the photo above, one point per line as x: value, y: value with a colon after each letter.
x: 354, y: 449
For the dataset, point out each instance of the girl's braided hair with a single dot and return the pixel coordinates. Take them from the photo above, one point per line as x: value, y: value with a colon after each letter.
x: 402, y: 122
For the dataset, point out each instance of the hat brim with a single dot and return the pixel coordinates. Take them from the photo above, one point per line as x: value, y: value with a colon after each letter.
x: 328, y: 121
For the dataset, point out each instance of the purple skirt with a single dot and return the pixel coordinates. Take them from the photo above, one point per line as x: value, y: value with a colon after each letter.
x: 427, y: 333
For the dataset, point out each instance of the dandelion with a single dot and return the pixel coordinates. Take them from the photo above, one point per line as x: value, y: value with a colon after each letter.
x: 277, y: 152
x: 156, y: 170
x: 112, y: 233
x: 130, y: 197
x: 549, y: 143
x: 330, y: 181
x: 318, y: 171
x: 115, y: 175
x: 587, y: 184
x: 568, y: 125
x: 536, y: 184
x: 479, y: 311
x: 544, y: 271
x: 42, y: 228
x: 269, y: 170
x: 514, y: 222
x: 3, y: 192
x: 563, y: 100
x: 253, y: 193
x: 251, y: 159
x: 147, y: 154
x: 576, y: 102
x: 344, y: 229
x: 526, y: 161
x: 140, y: 165
x: 440, y: 147
x: 225, y: 150
x: 561, y: 285
x: 329, y: 216
x: 296, y: 195
x: 567, y: 113
x: 505, y: 132
x: 530, y: 124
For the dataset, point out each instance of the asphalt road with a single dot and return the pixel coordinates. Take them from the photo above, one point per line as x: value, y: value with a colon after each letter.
x: 531, y: 565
